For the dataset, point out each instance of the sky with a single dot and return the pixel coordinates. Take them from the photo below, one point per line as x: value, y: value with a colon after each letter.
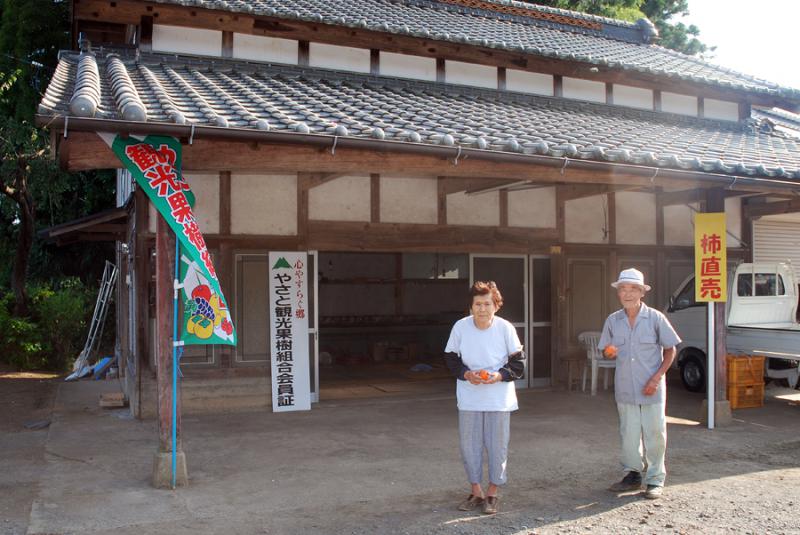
x: 756, y: 37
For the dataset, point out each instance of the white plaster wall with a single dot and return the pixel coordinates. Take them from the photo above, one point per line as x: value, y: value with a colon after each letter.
x: 187, y: 40
x: 205, y: 187
x: 346, y: 198
x: 633, y: 97
x: 533, y: 208
x: 636, y: 217
x: 720, y: 109
x: 407, y: 66
x: 344, y: 58
x: 483, y: 209
x: 263, y: 48
x: 679, y: 224
x: 152, y: 214
x: 458, y: 72
x: 263, y: 204
x: 529, y: 82
x: 584, y: 89
x: 675, y: 103
x: 733, y: 220
x: 409, y: 200
x: 585, y: 219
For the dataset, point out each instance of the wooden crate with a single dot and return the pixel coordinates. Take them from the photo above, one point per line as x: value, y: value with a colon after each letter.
x: 745, y: 370
x: 745, y: 396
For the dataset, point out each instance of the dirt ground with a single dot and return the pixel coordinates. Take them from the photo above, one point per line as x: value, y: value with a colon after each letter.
x: 385, y: 465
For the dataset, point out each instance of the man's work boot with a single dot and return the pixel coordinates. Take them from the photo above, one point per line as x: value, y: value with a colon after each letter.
x: 631, y: 481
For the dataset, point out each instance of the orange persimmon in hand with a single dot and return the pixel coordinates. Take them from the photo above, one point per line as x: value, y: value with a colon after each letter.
x: 484, y: 375
x: 610, y: 351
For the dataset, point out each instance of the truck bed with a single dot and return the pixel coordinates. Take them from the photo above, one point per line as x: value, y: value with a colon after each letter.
x: 768, y: 341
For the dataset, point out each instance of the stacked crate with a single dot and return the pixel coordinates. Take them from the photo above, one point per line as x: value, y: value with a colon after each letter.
x: 745, y: 381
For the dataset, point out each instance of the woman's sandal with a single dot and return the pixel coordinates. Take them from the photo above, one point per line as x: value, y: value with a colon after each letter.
x: 490, y: 505
x: 471, y: 503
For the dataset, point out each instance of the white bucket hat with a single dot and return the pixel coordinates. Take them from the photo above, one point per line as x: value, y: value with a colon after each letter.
x: 631, y: 276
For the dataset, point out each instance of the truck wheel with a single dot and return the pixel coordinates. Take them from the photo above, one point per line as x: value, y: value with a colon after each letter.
x: 693, y: 374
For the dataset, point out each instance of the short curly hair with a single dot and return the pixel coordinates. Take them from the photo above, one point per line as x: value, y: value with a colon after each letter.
x: 486, y: 288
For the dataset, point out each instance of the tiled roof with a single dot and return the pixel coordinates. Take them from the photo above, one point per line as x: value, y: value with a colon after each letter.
x: 262, y: 97
x: 502, y: 24
x: 782, y: 119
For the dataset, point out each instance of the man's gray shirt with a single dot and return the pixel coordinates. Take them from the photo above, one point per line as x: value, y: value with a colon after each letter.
x: 640, y: 352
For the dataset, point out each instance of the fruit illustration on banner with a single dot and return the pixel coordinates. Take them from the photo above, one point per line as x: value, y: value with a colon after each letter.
x: 205, y: 314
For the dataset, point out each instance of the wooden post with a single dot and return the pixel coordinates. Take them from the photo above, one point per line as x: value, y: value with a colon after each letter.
x: 165, y: 266
x: 715, y: 202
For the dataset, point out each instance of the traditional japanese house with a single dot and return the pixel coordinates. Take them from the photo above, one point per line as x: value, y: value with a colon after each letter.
x: 410, y: 146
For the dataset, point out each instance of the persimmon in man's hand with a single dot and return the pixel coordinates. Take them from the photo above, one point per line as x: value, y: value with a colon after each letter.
x: 610, y: 351
x: 484, y: 375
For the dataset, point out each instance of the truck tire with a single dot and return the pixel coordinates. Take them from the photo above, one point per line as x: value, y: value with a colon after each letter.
x: 693, y: 373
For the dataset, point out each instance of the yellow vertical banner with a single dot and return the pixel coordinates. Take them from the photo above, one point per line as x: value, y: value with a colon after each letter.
x: 710, y: 258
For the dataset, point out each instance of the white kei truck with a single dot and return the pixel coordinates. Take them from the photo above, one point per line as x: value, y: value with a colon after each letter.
x: 761, y: 314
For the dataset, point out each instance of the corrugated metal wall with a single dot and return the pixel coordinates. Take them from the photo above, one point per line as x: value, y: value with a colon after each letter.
x: 777, y: 240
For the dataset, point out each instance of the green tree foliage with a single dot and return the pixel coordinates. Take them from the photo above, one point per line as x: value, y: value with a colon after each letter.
x: 34, y: 193
x: 31, y: 34
x: 674, y: 35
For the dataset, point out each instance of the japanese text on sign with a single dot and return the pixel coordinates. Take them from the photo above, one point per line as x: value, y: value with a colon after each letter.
x: 291, y: 387
x: 711, y: 281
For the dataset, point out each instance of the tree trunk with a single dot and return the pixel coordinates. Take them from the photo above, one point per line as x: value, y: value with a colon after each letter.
x: 26, y: 228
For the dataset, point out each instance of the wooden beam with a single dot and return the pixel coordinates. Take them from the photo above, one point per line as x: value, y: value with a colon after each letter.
x: 501, y: 78
x: 612, y: 218
x: 145, y: 33
x: 225, y: 202
x: 375, y: 197
x: 579, y: 191
x: 659, y: 216
x: 504, y: 208
x: 85, y: 150
x: 303, y: 53
x: 165, y: 261
x: 374, y: 62
x: 130, y: 12
x: 696, y: 195
x: 227, y: 44
x: 441, y: 204
x: 715, y: 202
x: 397, y: 237
x: 474, y: 185
x: 303, y: 187
x: 771, y: 208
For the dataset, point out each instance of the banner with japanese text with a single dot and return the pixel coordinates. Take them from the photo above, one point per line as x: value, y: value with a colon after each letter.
x: 155, y: 163
x: 710, y: 258
x: 289, y: 350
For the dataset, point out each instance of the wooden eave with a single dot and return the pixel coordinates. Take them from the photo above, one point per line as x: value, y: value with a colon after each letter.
x: 83, y: 150
x: 132, y: 12
x: 108, y: 225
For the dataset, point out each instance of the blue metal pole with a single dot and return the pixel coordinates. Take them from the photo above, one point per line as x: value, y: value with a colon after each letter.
x: 175, y: 361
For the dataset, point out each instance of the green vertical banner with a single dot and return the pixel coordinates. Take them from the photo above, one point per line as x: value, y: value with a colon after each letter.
x: 155, y: 163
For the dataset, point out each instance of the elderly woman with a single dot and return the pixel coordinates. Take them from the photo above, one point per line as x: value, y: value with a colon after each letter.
x: 485, y: 355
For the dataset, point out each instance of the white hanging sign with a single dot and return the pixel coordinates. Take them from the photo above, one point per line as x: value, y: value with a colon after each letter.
x: 288, y: 303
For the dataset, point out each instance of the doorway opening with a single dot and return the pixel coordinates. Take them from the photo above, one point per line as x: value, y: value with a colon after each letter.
x: 384, y: 320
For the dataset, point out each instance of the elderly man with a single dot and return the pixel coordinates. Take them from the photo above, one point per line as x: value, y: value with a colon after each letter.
x: 643, y: 342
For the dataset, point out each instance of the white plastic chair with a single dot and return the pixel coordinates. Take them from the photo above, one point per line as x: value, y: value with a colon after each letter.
x: 589, y: 341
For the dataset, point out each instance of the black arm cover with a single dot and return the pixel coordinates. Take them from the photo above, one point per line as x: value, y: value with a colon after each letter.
x: 455, y: 365
x: 515, y: 368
